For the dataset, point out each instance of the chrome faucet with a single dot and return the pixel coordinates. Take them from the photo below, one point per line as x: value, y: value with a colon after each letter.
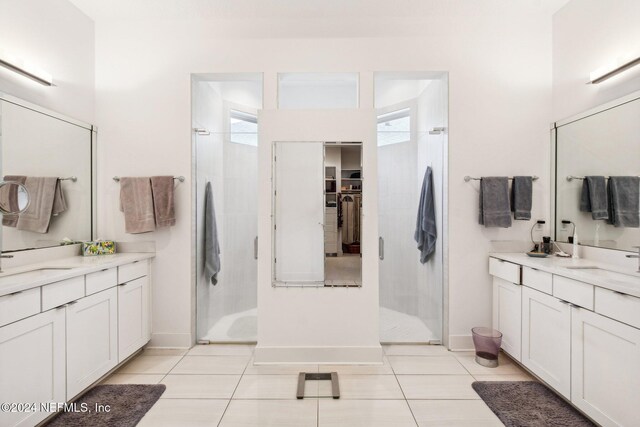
x: 636, y: 256
x: 3, y: 256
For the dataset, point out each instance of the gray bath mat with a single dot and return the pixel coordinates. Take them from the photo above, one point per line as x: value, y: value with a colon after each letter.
x: 127, y: 405
x: 528, y: 404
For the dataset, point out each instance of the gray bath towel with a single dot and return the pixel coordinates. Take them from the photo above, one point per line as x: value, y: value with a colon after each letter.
x: 521, y: 196
x: 45, y: 200
x: 624, y: 201
x: 495, y: 210
x: 211, y: 245
x: 136, y: 201
x: 10, y: 199
x: 593, y: 197
x: 426, y: 232
x: 163, y: 205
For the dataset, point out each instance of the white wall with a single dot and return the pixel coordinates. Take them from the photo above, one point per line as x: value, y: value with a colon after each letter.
x: 499, y: 115
x: 588, y: 34
x: 57, y: 37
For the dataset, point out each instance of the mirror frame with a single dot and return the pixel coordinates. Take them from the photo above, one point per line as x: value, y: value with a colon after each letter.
x: 93, y: 132
x: 634, y: 96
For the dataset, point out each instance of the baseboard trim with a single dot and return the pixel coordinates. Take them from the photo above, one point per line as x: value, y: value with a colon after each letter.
x: 461, y: 343
x: 170, y: 340
x: 265, y: 355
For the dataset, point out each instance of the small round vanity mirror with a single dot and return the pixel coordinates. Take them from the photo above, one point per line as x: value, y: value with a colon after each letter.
x: 14, y: 197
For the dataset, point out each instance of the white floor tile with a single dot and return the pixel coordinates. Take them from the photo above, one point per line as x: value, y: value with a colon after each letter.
x: 271, y: 413
x: 415, y: 350
x: 384, y: 369
x: 437, y: 386
x: 184, y: 413
x: 364, y: 387
x: 164, y: 351
x: 278, y: 369
x: 150, y: 365
x: 272, y: 387
x: 133, y: 379
x: 505, y: 377
x: 222, y: 350
x: 428, y: 365
x: 223, y: 365
x: 364, y: 413
x: 199, y: 386
x: 453, y: 413
x: 505, y: 366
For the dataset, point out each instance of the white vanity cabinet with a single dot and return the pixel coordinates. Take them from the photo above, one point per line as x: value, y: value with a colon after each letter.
x: 32, y: 365
x: 577, y: 335
x: 52, y: 354
x: 92, y: 339
x: 546, y: 339
x: 133, y: 315
x: 507, y: 304
x: 605, y: 368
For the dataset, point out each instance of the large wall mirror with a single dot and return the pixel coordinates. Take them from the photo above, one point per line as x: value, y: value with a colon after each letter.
x: 317, y: 212
x: 597, y: 177
x: 52, y: 156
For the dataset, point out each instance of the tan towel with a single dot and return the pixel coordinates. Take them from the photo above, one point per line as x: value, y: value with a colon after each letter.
x: 136, y: 201
x: 162, y: 189
x: 9, y: 198
x: 46, y: 199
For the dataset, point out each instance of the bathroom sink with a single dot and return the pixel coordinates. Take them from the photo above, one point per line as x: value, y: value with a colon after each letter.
x: 30, y: 275
x: 627, y: 279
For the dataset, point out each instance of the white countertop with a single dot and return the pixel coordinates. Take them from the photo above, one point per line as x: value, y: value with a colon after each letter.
x: 11, y: 281
x: 559, y: 266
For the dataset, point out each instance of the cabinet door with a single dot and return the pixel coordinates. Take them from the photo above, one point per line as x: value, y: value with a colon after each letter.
x: 133, y: 316
x: 605, y: 368
x: 92, y: 339
x: 507, y: 314
x: 546, y: 339
x: 32, y: 365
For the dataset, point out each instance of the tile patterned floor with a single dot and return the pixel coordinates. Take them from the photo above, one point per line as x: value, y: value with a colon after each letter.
x: 218, y: 385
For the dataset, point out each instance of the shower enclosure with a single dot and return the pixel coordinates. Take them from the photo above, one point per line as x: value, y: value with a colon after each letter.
x: 409, y: 140
x: 225, y: 149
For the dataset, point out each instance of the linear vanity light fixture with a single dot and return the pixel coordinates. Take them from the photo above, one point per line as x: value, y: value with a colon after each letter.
x: 610, y: 70
x: 179, y: 178
x: 469, y: 178
x: 572, y: 177
x: 18, y: 66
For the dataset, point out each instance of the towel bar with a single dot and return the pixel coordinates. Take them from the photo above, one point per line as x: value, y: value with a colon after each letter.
x: 572, y: 177
x: 69, y: 178
x: 179, y: 178
x: 469, y: 178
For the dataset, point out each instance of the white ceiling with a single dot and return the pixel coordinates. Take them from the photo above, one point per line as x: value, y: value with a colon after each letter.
x: 286, y: 9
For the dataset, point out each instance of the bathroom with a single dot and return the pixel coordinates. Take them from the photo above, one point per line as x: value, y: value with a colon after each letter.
x: 482, y: 84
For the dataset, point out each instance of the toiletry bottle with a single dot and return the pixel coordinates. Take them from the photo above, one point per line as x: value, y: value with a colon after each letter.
x: 574, y: 253
x: 546, y: 244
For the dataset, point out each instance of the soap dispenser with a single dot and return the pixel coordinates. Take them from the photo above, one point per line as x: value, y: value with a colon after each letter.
x: 574, y: 253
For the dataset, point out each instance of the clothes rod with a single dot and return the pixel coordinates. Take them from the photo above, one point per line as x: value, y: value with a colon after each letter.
x: 572, y: 177
x: 69, y: 178
x: 469, y: 178
x: 179, y: 178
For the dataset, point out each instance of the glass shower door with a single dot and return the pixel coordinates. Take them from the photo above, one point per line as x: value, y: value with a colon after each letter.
x: 404, y: 289
x: 227, y: 311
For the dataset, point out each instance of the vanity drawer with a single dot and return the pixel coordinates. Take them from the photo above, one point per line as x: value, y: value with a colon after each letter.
x: 536, y: 279
x: 505, y: 270
x: 135, y: 270
x: 101, y: 280
x: 59, y: 293
x: 573, y: 291
x: 19, y: 305
x: 618, y: 306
